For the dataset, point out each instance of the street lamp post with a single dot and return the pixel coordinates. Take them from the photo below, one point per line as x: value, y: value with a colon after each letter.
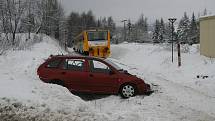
x: 124, y: 29
x: 172, y: 20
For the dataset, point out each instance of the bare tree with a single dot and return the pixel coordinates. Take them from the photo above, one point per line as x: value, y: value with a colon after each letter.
x: 3, y: 18
x: 14, y: 11
x: 28, y: 21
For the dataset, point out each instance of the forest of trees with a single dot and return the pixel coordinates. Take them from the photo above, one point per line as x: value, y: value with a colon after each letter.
x: 187, y: 31
x: 48, y: 17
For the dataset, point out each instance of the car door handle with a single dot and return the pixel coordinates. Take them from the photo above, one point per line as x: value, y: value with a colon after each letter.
x: 63, y: 73
x: 91, y: 75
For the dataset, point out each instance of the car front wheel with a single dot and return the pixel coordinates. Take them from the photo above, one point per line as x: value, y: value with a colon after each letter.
x: 127, y: 91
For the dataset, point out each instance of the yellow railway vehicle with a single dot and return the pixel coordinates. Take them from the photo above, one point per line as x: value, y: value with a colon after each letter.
x: 93, y: 43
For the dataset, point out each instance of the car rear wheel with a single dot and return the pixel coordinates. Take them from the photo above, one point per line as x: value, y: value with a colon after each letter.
x: 127, y: 91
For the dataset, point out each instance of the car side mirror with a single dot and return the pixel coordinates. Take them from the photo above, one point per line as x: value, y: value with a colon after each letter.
x: 125, y: 71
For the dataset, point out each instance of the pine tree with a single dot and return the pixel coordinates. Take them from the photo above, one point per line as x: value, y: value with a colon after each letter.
x: 162, y: 31
x: 104, y: 23
x: 145, y: 24
x: 205, y: 12
x: 111, y: 25
x: 168, y: 32
x: 156, y: 33
x: 141, y: 29
x: 193, y: 33
x: 75, y: 26
x: 99, y: 25
x: 141, y: 22
x: 90, y: 20
x: 78, y: 22
x: 183, y: 29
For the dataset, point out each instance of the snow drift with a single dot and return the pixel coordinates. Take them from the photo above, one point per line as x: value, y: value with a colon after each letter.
x: 24, y: 97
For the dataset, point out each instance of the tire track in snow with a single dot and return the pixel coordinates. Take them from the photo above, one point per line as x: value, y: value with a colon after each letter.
x: 189, y: 97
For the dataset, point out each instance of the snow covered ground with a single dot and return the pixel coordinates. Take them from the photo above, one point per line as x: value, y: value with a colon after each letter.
x: 179, y: 95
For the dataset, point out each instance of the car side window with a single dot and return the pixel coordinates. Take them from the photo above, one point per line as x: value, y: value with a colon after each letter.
x: 98, y: 67
x: 74, y: 64
x: 54, y: 63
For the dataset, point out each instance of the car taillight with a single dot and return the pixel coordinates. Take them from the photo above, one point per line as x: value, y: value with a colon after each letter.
x: 38, y: 72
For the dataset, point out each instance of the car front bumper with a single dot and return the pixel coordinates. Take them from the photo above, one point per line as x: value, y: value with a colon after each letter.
x: 143, y: 88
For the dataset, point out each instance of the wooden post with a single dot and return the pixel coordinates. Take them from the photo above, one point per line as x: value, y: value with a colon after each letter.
x: 179, y: 55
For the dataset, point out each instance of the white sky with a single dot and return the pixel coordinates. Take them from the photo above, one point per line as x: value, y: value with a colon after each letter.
x: 132, y: 9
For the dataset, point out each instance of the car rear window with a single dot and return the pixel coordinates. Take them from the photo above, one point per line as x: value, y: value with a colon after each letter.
x: 54, y: 63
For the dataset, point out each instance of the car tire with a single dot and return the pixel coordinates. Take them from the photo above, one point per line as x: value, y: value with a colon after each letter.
x: 127, y: 91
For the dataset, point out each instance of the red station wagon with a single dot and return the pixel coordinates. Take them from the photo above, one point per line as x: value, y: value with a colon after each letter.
x: 91, y: 75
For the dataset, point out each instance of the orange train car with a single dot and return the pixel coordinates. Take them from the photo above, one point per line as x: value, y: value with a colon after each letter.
x: 93, y: 43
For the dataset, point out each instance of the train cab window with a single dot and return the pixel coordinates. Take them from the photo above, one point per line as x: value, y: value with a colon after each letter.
x: 95, y: 36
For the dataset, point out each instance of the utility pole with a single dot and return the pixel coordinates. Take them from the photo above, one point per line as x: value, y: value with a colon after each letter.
x: 124, y: 29
x: 172, y: 20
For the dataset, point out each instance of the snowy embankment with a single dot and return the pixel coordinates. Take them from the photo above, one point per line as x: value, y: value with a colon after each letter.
x: 24, y: 97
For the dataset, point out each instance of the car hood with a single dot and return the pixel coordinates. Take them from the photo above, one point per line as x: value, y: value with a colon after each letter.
x: 128, y: 74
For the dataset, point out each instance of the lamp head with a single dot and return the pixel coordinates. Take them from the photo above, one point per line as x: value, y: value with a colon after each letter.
x: 172, y: 20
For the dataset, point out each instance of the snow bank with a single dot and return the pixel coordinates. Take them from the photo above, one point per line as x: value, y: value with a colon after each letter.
x: 185, y: 93
x: 24, y: 97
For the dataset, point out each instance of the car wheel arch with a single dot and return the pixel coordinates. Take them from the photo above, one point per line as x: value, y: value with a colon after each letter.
x: 57, y: 81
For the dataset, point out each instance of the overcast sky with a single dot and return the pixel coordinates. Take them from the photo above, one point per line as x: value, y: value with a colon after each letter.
x: 132, y: 9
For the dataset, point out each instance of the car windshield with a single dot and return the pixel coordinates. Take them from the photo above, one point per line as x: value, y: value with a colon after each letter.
x: 97, y: 35
x: 113, y: 64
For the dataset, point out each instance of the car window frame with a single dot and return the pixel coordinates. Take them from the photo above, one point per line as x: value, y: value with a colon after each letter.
x: 63, y: 62
x: 89, y: 67
x: 51, y: 60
